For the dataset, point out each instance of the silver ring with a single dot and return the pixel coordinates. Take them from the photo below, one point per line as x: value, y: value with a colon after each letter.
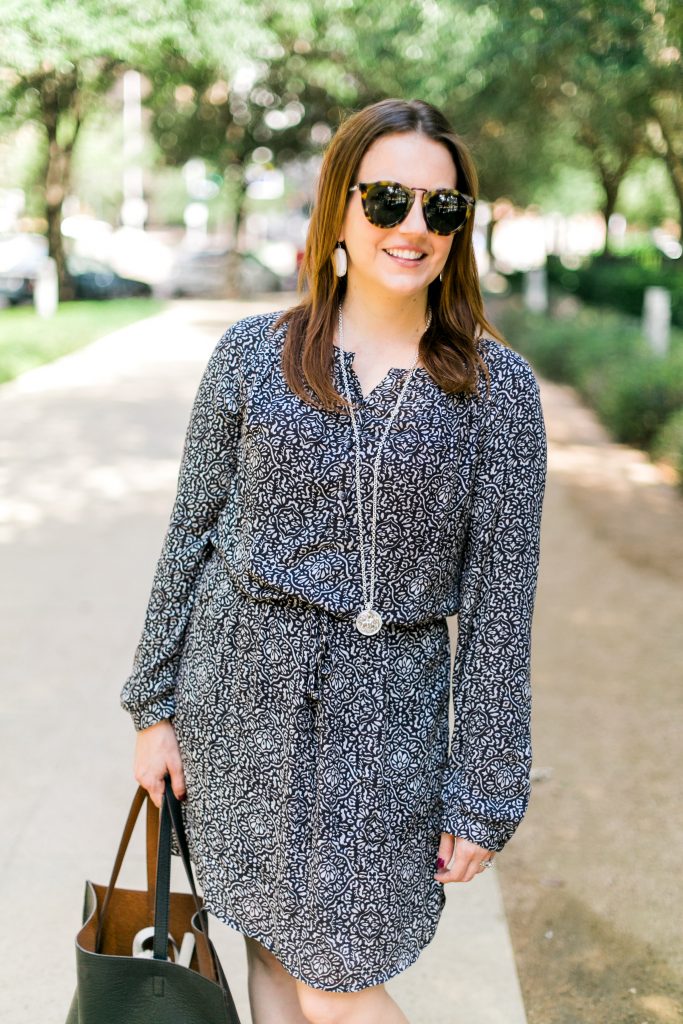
x: 487, y: 863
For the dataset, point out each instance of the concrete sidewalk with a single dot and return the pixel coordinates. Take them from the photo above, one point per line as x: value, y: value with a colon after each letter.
x: 90, y: 451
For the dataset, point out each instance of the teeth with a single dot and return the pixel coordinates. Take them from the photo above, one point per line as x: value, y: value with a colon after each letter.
x: 405, y: 254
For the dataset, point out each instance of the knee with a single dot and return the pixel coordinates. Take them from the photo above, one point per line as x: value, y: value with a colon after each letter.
x: 320, y: 1007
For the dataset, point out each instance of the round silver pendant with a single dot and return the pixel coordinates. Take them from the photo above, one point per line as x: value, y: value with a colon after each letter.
x: 368, y: 622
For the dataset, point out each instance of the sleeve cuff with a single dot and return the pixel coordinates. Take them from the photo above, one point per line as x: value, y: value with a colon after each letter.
x: 493, y: 839
x: 491, y: 831
x: 151, y: 713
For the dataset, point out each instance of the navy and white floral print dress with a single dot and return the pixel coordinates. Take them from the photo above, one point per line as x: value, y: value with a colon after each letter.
x: 317, y: 761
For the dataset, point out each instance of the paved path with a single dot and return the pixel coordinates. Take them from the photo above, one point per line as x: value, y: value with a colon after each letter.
x: 591, y: 881
x: 90, y: 448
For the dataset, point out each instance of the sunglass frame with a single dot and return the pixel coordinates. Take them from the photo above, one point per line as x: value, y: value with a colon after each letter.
x: 364, y: 186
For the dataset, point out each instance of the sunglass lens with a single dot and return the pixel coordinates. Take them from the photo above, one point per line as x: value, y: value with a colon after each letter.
x: 446, y: 213
x: 386, y: 205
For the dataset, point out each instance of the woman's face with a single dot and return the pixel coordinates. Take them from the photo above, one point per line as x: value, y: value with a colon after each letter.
x: 417, y: 161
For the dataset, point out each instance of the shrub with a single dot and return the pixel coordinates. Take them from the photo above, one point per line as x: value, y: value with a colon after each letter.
x: 668, y: 443
x: 639, y: 396
x: 605, y: 357
x: 620, y: 282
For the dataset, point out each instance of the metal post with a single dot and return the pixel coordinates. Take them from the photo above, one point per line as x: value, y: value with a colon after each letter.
x: 134, y: 208
x: 46, y: 290
x: 657, y: 319
x: 536, y: 290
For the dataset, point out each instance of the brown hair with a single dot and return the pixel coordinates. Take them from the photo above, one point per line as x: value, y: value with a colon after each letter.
x: 448, y: 348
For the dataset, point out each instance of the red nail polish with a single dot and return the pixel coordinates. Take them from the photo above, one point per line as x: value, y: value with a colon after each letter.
x: 440, y: 863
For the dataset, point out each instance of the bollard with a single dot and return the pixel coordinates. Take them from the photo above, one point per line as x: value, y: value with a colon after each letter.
x: 657, y: 319
x: 46, y: 289
x: 536, y: 290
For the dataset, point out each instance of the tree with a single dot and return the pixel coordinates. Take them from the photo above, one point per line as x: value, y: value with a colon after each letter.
x: 58, y: 62
x: 663, y: 45
x: 605, y: 76
x: 532, y: 90
x: 285, y: 100
x: 320, y: 60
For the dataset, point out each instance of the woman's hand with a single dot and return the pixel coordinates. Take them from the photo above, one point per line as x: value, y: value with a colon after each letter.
x: 467, y: 862
x: 156, y: 753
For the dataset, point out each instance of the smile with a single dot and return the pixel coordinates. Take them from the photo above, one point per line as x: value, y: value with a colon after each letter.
x: 412, y: 255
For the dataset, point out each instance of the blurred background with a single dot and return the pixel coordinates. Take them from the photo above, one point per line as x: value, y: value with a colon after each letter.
x: 157, y: 170
x: 172, y: 151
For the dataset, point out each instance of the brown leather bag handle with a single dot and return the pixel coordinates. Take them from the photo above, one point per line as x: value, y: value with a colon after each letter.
x: 133, y: 814
x: 204, y: 952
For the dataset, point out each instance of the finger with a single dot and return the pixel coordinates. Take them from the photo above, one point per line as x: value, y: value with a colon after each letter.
x: 153, y: 784
x: 472, y: 871
x: 482, y: 863
x: 156, y: 793
x: 178, y: 783
x: 464, y: 870
x: 464, y: 863
x: 457, y: 873
x: 445, y: 851
x: 157, y: 790
x: 456, y: 868
x: 175, y: 770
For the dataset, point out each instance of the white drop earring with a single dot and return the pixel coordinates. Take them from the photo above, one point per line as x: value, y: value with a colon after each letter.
x: 340, y: 261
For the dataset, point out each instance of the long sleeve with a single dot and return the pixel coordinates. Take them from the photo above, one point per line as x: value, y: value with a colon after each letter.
x: 207, y: 468
x: 487, y: 782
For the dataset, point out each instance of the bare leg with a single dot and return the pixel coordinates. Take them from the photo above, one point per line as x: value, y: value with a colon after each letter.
x: 370, y: 1006
x: 272, y: 991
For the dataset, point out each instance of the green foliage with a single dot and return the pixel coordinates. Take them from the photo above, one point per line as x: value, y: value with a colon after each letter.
x: 36, y: 35
x: 638, y: 396
x: 620, y: 281
x: 567, y: 189
x: 604, y: 356
x: 557, y: 103
x: 646, y: 195
x: 668, y: 443
x: 60, y: 59
x: 604, y: 78
x: 321, y: 61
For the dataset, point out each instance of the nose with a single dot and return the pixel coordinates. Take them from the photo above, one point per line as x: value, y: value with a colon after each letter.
x: 415, y: 222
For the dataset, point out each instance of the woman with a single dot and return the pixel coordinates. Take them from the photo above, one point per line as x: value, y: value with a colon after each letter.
x: 355, y: 470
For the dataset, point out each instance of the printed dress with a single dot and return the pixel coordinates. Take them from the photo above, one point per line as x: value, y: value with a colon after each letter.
x: 317, y: 762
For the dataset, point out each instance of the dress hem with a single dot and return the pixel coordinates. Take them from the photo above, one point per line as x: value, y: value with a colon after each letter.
x: 387, y: 975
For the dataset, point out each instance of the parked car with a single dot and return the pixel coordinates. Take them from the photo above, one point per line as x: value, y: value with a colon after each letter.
x: 94, y: 280
x: 204, y: 272
x: 23, y: 256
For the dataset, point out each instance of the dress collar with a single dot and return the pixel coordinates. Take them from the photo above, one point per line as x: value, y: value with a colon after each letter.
x: 387, y: 389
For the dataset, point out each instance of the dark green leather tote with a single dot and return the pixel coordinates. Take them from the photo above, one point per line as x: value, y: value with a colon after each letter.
x: 116, y: 987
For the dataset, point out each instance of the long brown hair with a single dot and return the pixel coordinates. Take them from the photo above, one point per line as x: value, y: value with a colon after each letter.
x: 448, y: 349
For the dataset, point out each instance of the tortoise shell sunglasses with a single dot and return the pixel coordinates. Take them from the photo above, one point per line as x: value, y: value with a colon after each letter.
x: 387, y: 203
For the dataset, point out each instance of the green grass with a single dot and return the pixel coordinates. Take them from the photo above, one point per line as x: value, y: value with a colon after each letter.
x: 26, y: 340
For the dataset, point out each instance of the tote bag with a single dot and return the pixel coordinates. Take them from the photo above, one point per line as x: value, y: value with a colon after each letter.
x: 114, y: 986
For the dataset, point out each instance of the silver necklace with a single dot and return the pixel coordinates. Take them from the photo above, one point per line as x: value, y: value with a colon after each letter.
x: 368, y: 620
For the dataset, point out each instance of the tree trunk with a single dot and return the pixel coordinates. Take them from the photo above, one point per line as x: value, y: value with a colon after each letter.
x: 489, y: 236
x: 233, y: 279
x: 610, y: 184
x: 58, y: 94
x: 611, y: 176
x: 674, y: 166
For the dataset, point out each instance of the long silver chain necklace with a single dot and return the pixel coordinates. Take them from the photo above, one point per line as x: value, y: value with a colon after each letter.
x: 368, y: 620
